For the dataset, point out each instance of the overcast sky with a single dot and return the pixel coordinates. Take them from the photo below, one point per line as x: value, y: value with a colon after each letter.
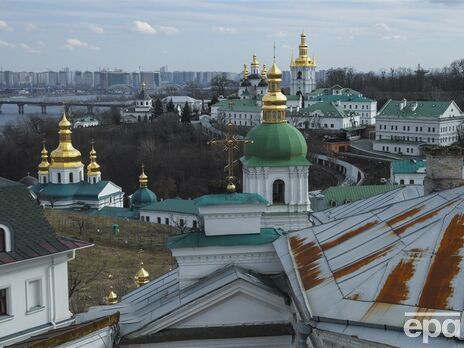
x: 209, y: 35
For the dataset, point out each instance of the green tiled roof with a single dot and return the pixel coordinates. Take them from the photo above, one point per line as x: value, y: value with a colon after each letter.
x: 240, y: 105
x: 178, y: 205
x: 342, y: 98
x: 116, y: 212
x: 80, y: 190
x: 345, y: 194
x: 293, y: 97
x: 328, y: 109
x: 408, y: 166
x: 32, y: 235
x: 230, y: 198
x: 427, y: 109
x: 198, y: 239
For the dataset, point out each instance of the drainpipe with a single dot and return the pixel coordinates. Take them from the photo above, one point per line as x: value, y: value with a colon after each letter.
x: 51, y: 293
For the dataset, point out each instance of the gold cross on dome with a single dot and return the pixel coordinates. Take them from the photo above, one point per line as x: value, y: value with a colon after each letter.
x: 230, y: 144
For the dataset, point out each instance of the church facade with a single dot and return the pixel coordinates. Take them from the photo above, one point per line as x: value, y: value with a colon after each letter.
x: 62, y: 183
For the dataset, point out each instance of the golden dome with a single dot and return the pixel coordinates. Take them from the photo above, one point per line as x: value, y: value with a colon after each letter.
x: 274, y: 103
x: 303, y: 59
x: 44, y: 164
x: 65, y: 155
x: 254, y: 62
x: 112, y: 297
x: 142, y: 276
x: 264, y: 72
x: 93, y: 167
x: 245, y: 71
x: 143, y: 178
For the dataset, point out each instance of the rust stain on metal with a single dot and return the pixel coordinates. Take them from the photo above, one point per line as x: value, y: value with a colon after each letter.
x: 350, y: 234
x: 307, y: 257
x: 400, y: 230
x: 445, y: 265
x: 396, y: 289
x: 341, y: 272
x: 355, y: 297
x: 404, y: 216
x: 376, y: 309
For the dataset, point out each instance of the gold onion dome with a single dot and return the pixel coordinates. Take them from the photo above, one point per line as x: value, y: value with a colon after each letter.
x: 254, y: 62
x: 264, y: 72
x: 65, y: 155
x: 142, y: 276
x: 245, y: 71
x: 274, y: 102
x: 44, y: 164
x: 93, y: 167
x: 112, y: 297
x: 143, y: 178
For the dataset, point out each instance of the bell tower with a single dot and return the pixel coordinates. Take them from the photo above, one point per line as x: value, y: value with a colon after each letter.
x: 303, y: 71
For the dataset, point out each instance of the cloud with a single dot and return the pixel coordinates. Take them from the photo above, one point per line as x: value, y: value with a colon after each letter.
x: 394, y: 37
x: 95, y: 29
x: 30, y: 27
x: 72, y: 44
x: 143, y: 27
x: 4, y: 26
x: 227, y: 30
x: 167, y: 30
x: 7, y: 44
x: 28, y: 48
x: 383, y: 27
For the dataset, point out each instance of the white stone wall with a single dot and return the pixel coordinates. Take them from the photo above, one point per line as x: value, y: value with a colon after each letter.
x: 321, y: 122
x: 52, y: 273
x: 78, y: 175
x: 306, y: 84
x: 408, y: 178
x: 366, y: 110
x: 241, y: 118
x: 173, y: 218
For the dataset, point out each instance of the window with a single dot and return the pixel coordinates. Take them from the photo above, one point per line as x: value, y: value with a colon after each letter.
x: 94, y: 180
x: 158, y: 220
x: 402, y: 182
x: 278, y: 192
x: 59, y: 178
x: 71, y: 177
x: 4, y: 302
x: 333, y: 203
x: 181, y: 222
x: 44, y: 179
x: 2, y: 240
x: 299, y: 75
x: 147, y: 219
x: 411, y: 182
x: 331, y: 125
x: 194, y: 223
x: 34, y: 294
x: 166, y: 221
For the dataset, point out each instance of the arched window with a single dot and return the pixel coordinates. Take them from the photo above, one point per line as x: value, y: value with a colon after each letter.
x: 278, y: 192
x: 2, y: 240
x: 94, y: 180
x: 44, y: 179
x: 299, y: 75
x: 71, y: 177
x: 59, y: 178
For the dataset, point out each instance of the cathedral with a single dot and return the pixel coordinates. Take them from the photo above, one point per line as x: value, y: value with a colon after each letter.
x: 61, y: 181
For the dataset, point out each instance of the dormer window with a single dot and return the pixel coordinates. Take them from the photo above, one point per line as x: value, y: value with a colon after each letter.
x: 5, y: 239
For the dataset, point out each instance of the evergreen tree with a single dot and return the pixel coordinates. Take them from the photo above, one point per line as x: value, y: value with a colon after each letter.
x: 170, y: 106
x: 158, y: 109
x: 214, y: 100
x: 186, y: 114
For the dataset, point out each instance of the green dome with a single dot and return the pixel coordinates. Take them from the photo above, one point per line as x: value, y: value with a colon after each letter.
x: 275, y: 145
x: 142, y: 197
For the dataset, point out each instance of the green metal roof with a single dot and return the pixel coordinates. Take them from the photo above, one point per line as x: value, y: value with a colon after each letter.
x: 178, y: 205
x: 198, y: 239
x: 424, y: 109
x: 142, y: 197
x: 293, y: 97
x: 275, y: 145
x: 79, y: 190
x: 230, y: 198
x: 327, y: 109
x: 240, y: 105
x: 408, y: 166
x: 347, y: 194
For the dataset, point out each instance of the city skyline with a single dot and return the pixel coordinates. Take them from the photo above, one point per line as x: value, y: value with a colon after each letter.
x: 222, y: 35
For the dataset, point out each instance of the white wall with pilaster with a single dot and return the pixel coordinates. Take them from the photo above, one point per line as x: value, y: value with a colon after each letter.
x: 77, y: 175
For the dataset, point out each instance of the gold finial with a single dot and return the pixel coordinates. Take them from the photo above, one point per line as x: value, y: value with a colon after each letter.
x: 245, y: 71
x: 44, y: 164
x: 112, y: 297
x: 254, y: 62
x: 143, y: 85
x: 230, y: 145
x: 303, y: 59
x: 264, y: 72
x: 93, y: 167
x: 142, y: 276
x: 143, y: 178
x: 273, y: 57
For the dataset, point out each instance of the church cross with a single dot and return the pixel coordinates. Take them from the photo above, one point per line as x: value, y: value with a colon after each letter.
x: 230, y: 144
